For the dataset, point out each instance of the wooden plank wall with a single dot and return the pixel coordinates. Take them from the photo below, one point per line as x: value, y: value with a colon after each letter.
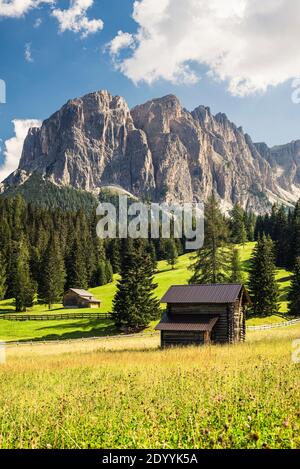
x: 173, y: 338
x: 220, y: 333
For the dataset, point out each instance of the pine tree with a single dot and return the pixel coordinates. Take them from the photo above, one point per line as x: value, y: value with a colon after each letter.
x: 294, y: 291
x: 161, y: 249
x: 280, y: 236
x: 115, y: 255
x: 102, y: 280
x: 84, y: 241
x: 250, y: 222
x: 24, y: 288
x: 295, y: 245
x: 179, y: 246
x: 3, y: 277
x: 134, y: 305
x: 76, y: 267
x: 262, y: 282
x: 212, y: 262
x: 171, y: 252
x: 238, y: 228
x: 236, y: 270
x: 54, y: 274
x: 152, y: 252
x: 109, y: 274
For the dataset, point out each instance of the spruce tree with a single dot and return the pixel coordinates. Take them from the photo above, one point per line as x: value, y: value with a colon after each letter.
x: 236, y: 270
x: 134, y: 305
x: 109, y: 274
x: 162, y: 253
x: 102, y: 280
x: 212, y: 262
x: 24, y: 288
x: 54, y: 274
x: 295, y: 244
x: 281, y: 238
x: 179, y: 245
x: 171, y: 252
x: 250, y: 222
x: 77, y: 276
x: 238, y: 228
x: 3, y: 277
x: 152, y: 252
x: 115, y: 255
x: 294, y: 291
x: 262, y: 282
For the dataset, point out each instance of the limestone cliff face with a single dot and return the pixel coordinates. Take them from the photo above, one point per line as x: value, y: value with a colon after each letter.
x: 285, y: 163
x: 196, y: 153
x: 160, y: 151
x: 90, y: 142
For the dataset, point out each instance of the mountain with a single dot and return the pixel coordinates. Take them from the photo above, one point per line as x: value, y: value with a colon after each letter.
x: 159, y: 151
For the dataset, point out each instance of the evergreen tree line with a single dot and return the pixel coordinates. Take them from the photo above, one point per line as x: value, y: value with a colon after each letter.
x: 44, y: 252
x: 219, y: 262
x: 283, y: 227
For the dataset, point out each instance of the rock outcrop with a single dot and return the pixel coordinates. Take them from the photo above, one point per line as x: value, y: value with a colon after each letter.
x: 160, y: 151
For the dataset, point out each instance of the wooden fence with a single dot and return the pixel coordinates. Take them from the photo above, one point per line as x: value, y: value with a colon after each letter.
x: 273, y: 326
x: 104, y: 339
x: 53, y: 317
x: 91, y: 316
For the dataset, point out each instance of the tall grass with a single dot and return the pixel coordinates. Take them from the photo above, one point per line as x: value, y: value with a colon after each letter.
x: 127, y: 393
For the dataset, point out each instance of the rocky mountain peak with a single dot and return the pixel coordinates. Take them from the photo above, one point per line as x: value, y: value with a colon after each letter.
x: 158, y: 150
x: 157, y: 115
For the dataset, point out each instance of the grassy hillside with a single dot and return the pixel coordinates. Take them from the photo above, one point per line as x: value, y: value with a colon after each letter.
x: 125, y: 393
x: 181, y: 274
x: 165, y: 277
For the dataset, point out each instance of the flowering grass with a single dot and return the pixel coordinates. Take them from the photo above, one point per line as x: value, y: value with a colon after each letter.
x: 127, y: 393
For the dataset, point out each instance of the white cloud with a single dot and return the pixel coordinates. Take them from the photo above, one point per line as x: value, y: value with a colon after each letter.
x: 27, y: 53
x: 14, y: 146
x: 120, y: 42
x: 75, y: 18
x: 251, y: 44
x: 37, y: 23
x: 18, y: 8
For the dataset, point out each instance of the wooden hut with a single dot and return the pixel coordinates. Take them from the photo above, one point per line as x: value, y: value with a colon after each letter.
x: 200, y: 314
x: 77, y: 298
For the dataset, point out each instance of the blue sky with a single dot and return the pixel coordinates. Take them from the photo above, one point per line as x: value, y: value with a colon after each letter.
x: 63, y: 65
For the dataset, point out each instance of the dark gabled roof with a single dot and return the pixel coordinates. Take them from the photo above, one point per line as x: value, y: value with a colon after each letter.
x: 206, y: 294
x: 203, y: 325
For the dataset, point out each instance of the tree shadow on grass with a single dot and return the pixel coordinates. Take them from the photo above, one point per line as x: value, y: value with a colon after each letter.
x: 7, y: 306
x: 94, y: 329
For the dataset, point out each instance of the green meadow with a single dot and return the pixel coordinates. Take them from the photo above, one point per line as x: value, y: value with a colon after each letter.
x: 75, y: 328
x: 127, y: 393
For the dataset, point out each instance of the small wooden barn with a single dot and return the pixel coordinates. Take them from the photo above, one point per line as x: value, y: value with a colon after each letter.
x: 201, y: 314
x: 77, y: 298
